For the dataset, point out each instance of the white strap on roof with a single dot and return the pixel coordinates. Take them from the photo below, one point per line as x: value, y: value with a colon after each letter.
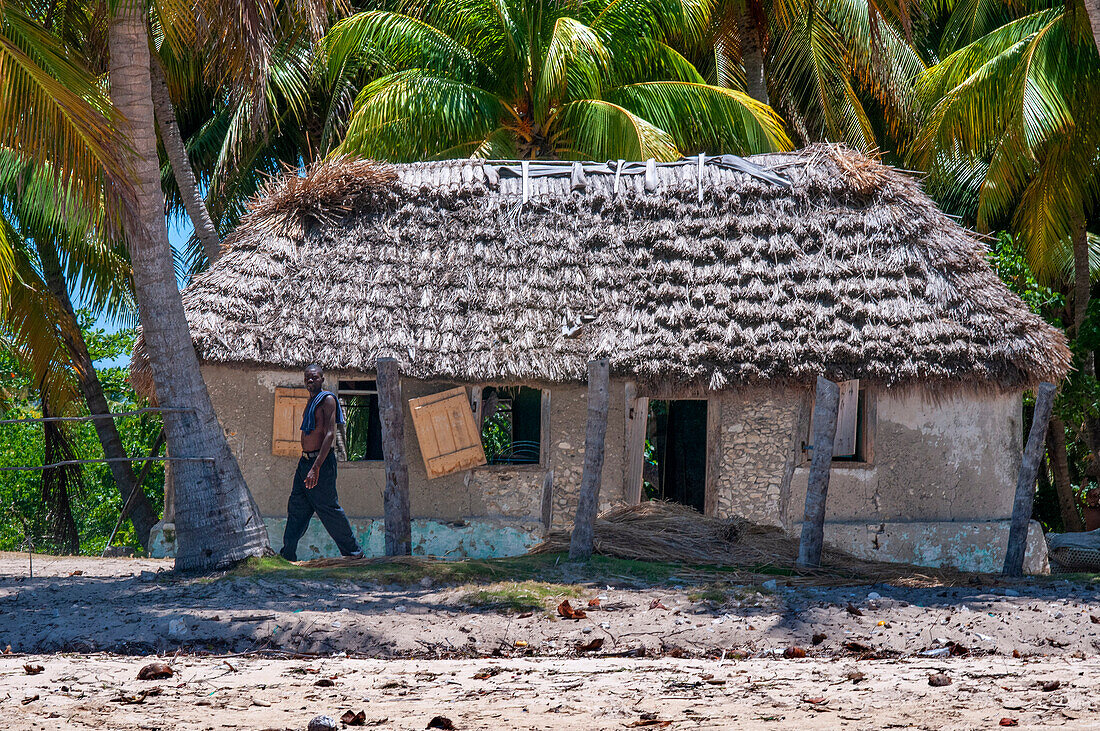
x: 579, y: 173
x: 702, y: 167
x: 577, y: 181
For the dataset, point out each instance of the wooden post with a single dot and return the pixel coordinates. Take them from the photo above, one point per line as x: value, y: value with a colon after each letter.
x: 583, y: 538
x: 1025, y: 483
x: 395, y: 497
x: 637, y: 416
x: 817, y: 488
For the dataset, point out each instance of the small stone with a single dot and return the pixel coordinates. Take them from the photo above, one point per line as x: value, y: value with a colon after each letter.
x: 322, y: 723
x: 426, y: 581
x: 874, y: 596
x: 177, y: 628
x: 147, y: 576
x: 770, y: 585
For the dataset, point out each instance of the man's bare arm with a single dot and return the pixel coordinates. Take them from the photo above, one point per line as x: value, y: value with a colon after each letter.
x: 327, y: 423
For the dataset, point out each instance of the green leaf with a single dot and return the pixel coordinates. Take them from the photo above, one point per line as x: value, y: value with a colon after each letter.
x: 593, y: 129
x: 417, y: 114
x: 703, y: 118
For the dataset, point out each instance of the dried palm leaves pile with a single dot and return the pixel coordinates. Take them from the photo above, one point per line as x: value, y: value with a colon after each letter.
x: 667, y: 532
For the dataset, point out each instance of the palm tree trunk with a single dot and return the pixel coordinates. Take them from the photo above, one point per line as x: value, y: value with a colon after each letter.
x: 141, y: 510
x: 1063, y: 485
x: 59, y: 483
x: 1081, y: 280
x: 217, y: 521
x: 170, y: 135
x: 752, y: 56
x: 1092, y: 8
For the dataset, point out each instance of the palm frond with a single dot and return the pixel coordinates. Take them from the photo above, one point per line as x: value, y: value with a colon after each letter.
x: 703, y: 118
x: 576, y: 66
x: 663, y: 20
x: 400, y: 41
x: 55, y: 112
x: 417, y: 114
x: 594, y: 129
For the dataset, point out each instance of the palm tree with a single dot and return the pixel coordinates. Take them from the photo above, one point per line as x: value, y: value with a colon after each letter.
x: 1013, y: 132
x: 54, y: 112
x: 214, y: 135
x: 217, y: 521
x: 58, y: 144
x: 56, y: 251
x: 839, y: 70
x: 1092, y: 9
x: 1015, y: 116
x: 536, y: 78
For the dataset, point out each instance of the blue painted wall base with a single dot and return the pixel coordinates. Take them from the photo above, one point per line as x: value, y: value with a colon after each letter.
x: 456, y: 539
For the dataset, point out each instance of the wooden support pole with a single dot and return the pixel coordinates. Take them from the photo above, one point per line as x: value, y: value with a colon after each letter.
x: 395, y: 497
x: 582, y: 541
x: 1025, y: 483
x: 817, y: 488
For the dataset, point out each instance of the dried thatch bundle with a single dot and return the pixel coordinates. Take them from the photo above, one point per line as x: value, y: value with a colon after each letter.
x: 329, y: 190
x: 660, y: 531
x: 668, y: 532
x: 701, y: 278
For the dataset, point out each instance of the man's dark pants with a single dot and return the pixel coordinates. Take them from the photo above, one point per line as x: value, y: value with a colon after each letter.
x: 322, y: 500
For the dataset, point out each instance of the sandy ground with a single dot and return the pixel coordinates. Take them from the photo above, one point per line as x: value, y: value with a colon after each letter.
x: 80, y: 692
x: 248, y: 651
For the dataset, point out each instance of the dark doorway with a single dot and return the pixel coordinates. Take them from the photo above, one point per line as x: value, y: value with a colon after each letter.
x: 676, y: 452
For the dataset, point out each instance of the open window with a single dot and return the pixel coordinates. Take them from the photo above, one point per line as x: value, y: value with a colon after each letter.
x: 363, y: 428
x: 852, y: 443
x: 511, y: 424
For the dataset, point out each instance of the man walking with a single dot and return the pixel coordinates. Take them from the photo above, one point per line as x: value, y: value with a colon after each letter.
x: 314, y: 488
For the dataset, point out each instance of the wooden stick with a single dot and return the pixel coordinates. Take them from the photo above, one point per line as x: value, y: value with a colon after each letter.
x: 1025, y: 483
x: 395, y: 497
x: 817, y: 488
x: 583, y: 538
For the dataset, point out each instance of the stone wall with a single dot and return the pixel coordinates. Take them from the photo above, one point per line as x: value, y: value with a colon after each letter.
x: 568, y: 421
x: 756, y: 452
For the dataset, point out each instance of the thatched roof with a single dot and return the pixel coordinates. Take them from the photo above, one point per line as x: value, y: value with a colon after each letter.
x: 849, y: 271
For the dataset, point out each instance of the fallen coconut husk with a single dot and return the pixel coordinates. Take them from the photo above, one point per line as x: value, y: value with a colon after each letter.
x: 668, y: 532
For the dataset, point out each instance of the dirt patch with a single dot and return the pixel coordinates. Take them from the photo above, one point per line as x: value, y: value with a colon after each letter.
x: 125, y: 606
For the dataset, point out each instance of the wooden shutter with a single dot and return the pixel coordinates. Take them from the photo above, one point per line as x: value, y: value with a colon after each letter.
x: 847, y: 418
x: 286, y: 430
x: 449, y: 438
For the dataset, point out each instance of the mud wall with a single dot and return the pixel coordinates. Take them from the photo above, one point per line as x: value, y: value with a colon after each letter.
x: 950, y: 458
x: 490, y: 496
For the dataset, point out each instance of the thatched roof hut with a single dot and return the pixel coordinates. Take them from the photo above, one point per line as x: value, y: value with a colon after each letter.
x: 822, y: 262
x: 717, y: 288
